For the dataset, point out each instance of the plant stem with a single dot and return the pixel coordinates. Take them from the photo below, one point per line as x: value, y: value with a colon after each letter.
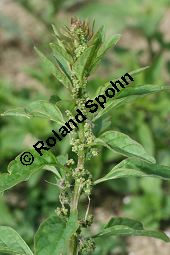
x: 73, y: 244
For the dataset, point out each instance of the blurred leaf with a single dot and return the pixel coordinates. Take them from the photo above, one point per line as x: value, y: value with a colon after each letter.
x: 6, y: 218
x: 154, y: 72
x: 9, y: 24
x: 54, y: 99
x: 12, y: 243
x: 110, y: 14
x: 146, y: 137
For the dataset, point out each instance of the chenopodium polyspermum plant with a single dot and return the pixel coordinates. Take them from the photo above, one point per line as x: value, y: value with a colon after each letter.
x: 77, y: 50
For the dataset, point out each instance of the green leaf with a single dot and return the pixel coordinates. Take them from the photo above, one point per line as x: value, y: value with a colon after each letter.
x: 121, y: 143
x: 108, y: 44
x: 135, y: 167
x: 51, y: 68
x: 141, y: 90
x: 135, y: 224
x: 85, y: 62
x: 54, y: 99
x: 54, y: 234
x: 79, y: 66
x: 12, y: 243
x: 17, y: 172
x: 112, y: 104
x: 55, y: 30
x: 46, y: 62
x: 59, y: 50
x: 96, y: 40
x: 129, y: 94
x: 16, y: 112
x: 125, y: 226
x: 63, y: 67
x: 42, y: 109
x: 146, y: 137
x: 133, y: 73
x: 46, y: 110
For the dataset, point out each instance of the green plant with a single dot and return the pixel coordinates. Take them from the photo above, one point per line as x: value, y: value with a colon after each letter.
x: 77, y: 51
x: 45, y: 12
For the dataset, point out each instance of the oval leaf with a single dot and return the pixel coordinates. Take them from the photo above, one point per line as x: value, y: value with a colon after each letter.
x: 123, y: 144
x: 46, y: 110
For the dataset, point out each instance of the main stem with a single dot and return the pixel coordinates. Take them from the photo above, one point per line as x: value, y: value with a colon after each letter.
x: 73, y: 244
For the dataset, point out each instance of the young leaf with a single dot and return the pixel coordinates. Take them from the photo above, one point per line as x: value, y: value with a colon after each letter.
x: 135, y: 167
x: 141, y: 90
x: 97, y: 42
x: 54, y: 234
x: 107, y: 45
x: 17, y: 172
x: 63, y: 67
x: 53, y: 69
x: 80, y: 64
x: 133, y: 73
x: 42, y: 109
x: 112, y: 104
x: 125, y: 226
x: 12, y: 243
x: 59, y: 50
x: 121, y: 143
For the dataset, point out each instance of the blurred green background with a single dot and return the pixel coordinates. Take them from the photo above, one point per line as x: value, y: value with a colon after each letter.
x: 144, y: 26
